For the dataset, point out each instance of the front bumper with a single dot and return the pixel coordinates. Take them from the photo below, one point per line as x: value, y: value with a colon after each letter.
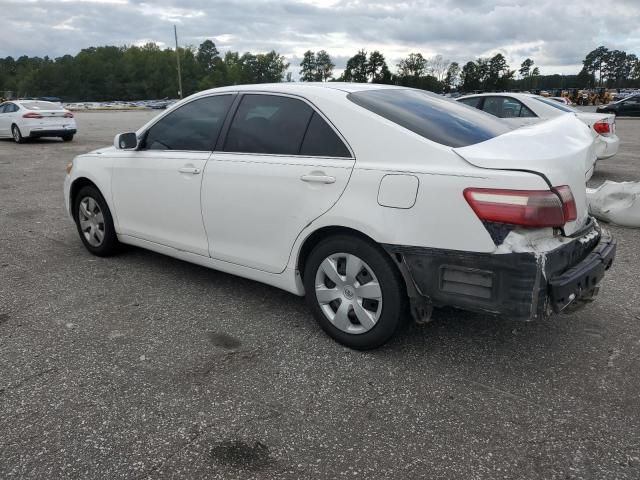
x: 523, y: 285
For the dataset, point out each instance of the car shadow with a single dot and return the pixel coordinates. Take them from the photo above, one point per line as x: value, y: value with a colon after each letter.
x: 457, y: 335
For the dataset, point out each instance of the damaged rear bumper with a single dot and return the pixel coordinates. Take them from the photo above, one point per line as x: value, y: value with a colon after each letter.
x: 521, y: 285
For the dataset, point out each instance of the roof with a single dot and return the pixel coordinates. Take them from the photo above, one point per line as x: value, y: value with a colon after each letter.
x: 301, y: 87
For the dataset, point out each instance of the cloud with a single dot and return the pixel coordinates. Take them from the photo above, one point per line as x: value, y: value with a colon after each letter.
x: 557, y: 35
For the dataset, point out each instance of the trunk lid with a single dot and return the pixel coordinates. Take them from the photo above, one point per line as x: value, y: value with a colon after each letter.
x: 559, y: 150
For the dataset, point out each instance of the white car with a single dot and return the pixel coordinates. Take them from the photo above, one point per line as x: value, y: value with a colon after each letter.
x: 521, y: 109
x: 364, y: 198
x: 23, y: 119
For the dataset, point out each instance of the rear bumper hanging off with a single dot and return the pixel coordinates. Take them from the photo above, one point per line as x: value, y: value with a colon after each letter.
x: 523, y: 285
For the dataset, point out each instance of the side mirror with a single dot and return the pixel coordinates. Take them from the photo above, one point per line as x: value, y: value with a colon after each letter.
x: 126, y: 141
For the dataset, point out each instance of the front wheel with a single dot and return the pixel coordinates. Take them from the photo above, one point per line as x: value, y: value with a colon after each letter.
x: 94, y: 222
x: 355, y: 291
x: 67, y: 138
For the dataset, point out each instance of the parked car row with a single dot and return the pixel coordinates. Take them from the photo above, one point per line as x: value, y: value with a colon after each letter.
x: 369, y: 200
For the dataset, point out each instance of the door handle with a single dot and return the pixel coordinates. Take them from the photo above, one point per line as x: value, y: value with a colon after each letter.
x: 192, y: 170
x: 318, y: 179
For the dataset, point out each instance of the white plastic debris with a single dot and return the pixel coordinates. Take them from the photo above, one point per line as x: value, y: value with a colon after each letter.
x: 616, y: 202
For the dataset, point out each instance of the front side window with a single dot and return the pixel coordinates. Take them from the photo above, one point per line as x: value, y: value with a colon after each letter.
x: 433, y: 117
x: 191, y: 127
x: 556, y: 105
x: 268, y: 124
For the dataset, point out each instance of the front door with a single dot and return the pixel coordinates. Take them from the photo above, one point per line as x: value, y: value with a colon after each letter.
x: 156, y: 189
x: 281, y: 166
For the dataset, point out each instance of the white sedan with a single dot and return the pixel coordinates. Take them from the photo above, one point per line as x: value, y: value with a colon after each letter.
x: 23, y: 119
x: 367, y: 199
x: 520, y: 109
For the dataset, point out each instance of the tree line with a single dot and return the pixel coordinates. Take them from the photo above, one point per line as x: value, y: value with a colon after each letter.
x: 148, y: 72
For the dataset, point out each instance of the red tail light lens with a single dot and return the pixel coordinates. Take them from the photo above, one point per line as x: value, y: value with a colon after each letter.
x: 602, y: 127
x: 569, y: 208
x: 31, y: 115
x: 68, y: 115
x: 529, y: 208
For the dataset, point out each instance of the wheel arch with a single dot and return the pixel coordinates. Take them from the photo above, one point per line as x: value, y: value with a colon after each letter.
x: 76, y: 186
x: 322, y: 233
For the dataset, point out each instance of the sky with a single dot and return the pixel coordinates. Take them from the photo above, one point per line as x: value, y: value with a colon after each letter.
x: 556, y: 34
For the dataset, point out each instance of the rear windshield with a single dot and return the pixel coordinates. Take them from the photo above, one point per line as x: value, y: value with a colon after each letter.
x: 440, y: 120
x: 554, y: 104
x: 41, y: 106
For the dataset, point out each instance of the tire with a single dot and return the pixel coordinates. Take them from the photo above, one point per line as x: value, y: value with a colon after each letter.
x: 67, y: 138
x: 94, y: 222
x: 350, y: 298
x: 17, y: 134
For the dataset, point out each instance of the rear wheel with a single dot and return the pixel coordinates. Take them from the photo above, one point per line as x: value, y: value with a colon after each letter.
x: 94, y: 222
x: 17, y: 135
x: 354, y: 291
x: 67, y: 138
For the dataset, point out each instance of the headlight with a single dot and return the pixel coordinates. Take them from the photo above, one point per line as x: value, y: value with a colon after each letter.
x: 69, y: 167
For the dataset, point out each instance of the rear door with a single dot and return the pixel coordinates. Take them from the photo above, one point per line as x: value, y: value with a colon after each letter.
x: 156, y: 189
x: 281, y: 165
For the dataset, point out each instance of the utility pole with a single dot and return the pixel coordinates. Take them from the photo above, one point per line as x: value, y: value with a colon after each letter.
x: 175, y: 32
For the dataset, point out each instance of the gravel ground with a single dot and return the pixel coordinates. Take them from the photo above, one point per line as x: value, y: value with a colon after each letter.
x: 141, y: 366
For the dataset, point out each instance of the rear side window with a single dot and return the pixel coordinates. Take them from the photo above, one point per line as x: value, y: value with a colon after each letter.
x: 321, y: 141
x: 268, y: 124
x: 193, y: 127
x: 472, y: 102
x: 433, y: 117
x: 554, y: 104
x: 42, y: 106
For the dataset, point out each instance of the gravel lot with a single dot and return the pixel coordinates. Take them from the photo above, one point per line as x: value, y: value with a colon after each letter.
x: 141, y: 366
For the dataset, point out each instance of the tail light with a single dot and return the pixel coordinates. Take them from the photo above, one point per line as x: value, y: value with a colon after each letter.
x: 529, y: 208
x: 602, y: 127
x: 569, y: 209
x: 31, y: 115
x: 68, y: 115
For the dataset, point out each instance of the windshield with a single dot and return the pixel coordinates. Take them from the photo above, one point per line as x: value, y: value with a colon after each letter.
x: 555, y: 104
x: 41, y: 106
x: 443, y: 121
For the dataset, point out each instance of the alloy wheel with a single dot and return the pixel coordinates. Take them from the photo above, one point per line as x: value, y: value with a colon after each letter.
x: 348, y: 293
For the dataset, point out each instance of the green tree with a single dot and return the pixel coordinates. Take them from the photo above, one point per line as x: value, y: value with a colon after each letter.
x: 208, y: 56
x: 376, y: 67
x: 415, y: 65
x: 356, y: 69
x: 451, y: 78
x: 595, y: 61
x: 324, y: 66
x: 309, y: 67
